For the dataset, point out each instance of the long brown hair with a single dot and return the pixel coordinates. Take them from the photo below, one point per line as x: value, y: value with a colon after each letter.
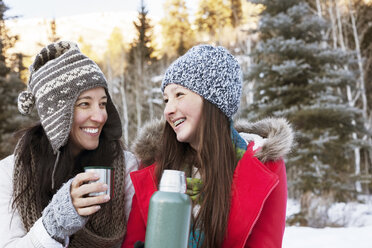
x: 34, y: 147
x: 216, y: 160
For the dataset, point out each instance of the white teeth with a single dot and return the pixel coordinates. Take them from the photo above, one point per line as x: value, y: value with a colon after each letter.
x: 90, y: 130
x: 177, y: 122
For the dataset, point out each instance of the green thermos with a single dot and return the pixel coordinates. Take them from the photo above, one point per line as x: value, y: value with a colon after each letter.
x: 168, y: 221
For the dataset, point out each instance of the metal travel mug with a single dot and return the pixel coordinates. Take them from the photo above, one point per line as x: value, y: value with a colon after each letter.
x: 106, y: 175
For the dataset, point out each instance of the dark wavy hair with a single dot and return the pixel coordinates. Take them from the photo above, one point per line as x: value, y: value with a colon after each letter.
x: 216, y: 160
x: 34, y: 145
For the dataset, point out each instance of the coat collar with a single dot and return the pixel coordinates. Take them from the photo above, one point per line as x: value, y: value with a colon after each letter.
x: 275, y: 138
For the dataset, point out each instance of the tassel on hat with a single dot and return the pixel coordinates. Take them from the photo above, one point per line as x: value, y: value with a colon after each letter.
x: 26, y: 102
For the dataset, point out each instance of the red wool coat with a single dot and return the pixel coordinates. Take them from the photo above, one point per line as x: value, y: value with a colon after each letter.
x: 258, y: 204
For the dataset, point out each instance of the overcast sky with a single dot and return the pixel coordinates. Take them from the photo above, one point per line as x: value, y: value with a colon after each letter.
x: 55, y: 9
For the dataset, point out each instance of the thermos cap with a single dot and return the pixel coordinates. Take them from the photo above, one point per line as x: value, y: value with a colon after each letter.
x: 173, y: 181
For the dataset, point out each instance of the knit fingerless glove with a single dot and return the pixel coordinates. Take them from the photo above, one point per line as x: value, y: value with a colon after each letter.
x: 60, y: 218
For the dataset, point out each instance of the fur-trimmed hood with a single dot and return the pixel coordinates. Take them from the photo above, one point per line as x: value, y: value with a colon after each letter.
x: 274, y: 137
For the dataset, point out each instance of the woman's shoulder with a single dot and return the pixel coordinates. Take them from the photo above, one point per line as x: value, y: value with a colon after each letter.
x: 129, y: 155
x: 131, y: 161
x: 6, y: 167
x: 7, y: 164
x: 272, y: 137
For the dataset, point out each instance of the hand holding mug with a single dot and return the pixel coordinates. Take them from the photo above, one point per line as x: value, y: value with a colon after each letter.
x: 80, y: 188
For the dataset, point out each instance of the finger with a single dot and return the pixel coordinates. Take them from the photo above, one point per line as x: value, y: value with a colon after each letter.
x: 91, y: 201
x: 88, y: 210
x: 84, y: 177
x: 89, y: 188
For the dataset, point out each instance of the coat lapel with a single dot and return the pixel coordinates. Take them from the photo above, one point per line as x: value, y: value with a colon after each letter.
x: 144, y: 185
x: 252, y: 184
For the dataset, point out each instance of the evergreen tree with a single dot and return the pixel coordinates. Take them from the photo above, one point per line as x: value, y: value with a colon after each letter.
x: 177, y: 33
x: 113, y: 66
x: 10, y: 87
x: 143, y: 44
x: 18, y: 66
x: 10, y: 119
x: 137, y: 71
x: 4, y: 70
x: 363, y: 14
x: 212, y: 16
x: 299, y: 77
x: 236, y: 15
x: 114, y: 55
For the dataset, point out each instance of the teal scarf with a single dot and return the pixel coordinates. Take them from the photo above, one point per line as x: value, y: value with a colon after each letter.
x: 239, y: 143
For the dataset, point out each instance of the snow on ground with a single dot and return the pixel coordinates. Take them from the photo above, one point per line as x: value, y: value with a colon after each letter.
x: 357, y: 233
x: 306, y: 237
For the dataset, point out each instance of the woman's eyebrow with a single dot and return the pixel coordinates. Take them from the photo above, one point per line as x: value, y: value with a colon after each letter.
x: 176, y: 88
x: 88, y: 97
x: 84, y: 97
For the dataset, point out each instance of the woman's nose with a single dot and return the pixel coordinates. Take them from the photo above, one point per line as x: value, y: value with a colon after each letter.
x: 170, y: 108
x: 99, y: 115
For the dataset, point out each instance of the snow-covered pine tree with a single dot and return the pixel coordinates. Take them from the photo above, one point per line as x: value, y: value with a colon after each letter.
x: 113, y: 66
x: 298, y: 76
x: 139, y: 64
x: 355, y: 22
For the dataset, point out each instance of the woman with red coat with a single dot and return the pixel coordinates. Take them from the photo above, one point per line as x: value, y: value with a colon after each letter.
x: 237, y: 181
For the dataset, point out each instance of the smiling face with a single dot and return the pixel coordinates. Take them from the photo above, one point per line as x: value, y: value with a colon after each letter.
x: 182, y: 111
x: 89, y: 118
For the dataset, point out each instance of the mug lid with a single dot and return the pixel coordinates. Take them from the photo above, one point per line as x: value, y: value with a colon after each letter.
x: 173, y: 181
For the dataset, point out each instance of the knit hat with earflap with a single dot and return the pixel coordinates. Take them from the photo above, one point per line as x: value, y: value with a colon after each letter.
x: 211, y: 72
x: 59, y: 74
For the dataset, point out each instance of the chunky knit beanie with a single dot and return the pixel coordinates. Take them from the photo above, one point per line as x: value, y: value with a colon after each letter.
x: 211, y: 72
x: 59, y: 74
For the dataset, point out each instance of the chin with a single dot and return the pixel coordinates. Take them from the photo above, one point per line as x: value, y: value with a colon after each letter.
x: 182, y: 139
x: 91, y: 147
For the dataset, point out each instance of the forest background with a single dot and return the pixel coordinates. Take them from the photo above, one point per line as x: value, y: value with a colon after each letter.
x: 307, y: 61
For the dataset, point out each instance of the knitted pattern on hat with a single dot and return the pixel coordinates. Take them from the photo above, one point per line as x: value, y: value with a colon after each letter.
x: 211, y: 72
x: 59, y: 74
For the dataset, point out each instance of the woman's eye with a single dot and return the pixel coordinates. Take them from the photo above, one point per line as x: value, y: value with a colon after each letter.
x: 178, y: 94
x: 103, y: 104
x: 83, y: 104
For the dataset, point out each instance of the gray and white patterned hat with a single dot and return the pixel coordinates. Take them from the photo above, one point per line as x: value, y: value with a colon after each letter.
x: 211, y: 72
x: 59, y: 74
